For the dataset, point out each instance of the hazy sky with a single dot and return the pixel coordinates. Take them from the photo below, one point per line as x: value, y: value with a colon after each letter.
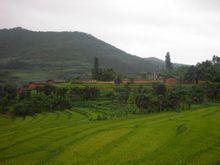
x: 188, y: 29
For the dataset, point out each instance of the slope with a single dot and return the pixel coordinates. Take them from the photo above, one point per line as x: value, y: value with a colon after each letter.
x: 33, y: 55
x: 189, y: 137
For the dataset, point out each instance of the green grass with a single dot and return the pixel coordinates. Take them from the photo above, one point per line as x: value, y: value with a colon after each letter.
x: 68, y: 137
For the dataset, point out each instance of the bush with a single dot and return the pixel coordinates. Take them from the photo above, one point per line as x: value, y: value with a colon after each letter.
x: 173, y: 100
x: 123, y: 97
x: 159, y: 88
x: 10, y: 91
x: 60, y: 102
x: 39, y: 102
x: 197, y: 94
x: 24, y: 94
x: 142, y: 101
x: 110, y: 95
x: 212, y: 91
x: 86, y: 93
x: 47, y: 89
x: 4, y: 103
x: 90, y: 93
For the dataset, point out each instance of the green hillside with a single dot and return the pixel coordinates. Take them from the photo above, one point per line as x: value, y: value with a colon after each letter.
x: 30, y: 55
x: 68, y: 137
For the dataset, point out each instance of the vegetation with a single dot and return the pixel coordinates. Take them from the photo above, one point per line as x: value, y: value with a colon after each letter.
x: 33, y: 56
x: 208, y: 70
x: 76, y: 133
x: 69, y: 137
x: 150, y: 98
x: 102, y: 74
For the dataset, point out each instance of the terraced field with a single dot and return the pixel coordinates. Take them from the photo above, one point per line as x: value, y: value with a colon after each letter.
x: 69, y: 137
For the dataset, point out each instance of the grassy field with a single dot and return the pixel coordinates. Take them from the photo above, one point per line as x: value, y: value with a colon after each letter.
x: 69, y: 137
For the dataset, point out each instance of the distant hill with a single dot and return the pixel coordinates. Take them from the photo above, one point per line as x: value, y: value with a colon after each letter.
x: 30, y: 55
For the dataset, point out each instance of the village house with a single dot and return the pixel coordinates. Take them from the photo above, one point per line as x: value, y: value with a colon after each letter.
x: 170, y: 80
x: 34, y: 85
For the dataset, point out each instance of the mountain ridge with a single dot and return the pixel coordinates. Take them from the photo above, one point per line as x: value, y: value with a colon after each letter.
x: 64, y: 54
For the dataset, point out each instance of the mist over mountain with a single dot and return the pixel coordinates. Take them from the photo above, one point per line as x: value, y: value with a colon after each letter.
x: 31, y: 55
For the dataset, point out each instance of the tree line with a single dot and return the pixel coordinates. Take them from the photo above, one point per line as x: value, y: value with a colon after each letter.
x: 208, y: 70
x: 148, y: 98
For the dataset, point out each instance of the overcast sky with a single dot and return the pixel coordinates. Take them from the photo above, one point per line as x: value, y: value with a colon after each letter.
x: 188, y: 29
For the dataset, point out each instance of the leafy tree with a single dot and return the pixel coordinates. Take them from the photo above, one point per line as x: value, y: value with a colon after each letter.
x: 190, y: 75
x: 216, y: 60
x: 168, y: 63
x: 102, y: 74
x: 10, y: 90
x: 205, y: 71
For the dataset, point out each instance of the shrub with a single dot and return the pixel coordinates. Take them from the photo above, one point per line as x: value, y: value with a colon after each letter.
x: 60, y: 103
x: 142, y: 90
x: 122, y: 93
x: 212, y: 90
x: 10, y: 91
x: 110, y: 95
x: 86, y: 93
x: 47, y: 89
x: 24, y: 94
x: 123, y: 97
x: 142, y: 101
x: 39, y: 102
x: 173, y: 99
x: 161, y: 102
x: 159, y: 88
x: 61, y: 92
x: 4, y: 103
x: 90, y: 93
x: 197, y: 94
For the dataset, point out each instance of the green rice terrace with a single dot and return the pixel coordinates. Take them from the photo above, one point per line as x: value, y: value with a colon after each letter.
x: 100, y: 123
x: 71, y: 137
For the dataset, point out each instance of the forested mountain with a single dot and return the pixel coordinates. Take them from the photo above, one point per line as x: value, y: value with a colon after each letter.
x: 30, y: 55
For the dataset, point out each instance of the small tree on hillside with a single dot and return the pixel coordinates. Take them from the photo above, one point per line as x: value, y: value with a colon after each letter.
x: 168, y: 63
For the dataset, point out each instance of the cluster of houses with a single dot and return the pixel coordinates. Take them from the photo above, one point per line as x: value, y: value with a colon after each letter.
x: 34, y: 85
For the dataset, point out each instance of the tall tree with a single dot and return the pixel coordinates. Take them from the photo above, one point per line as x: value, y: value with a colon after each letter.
x: 168, y: 63
x: 216, y: 59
